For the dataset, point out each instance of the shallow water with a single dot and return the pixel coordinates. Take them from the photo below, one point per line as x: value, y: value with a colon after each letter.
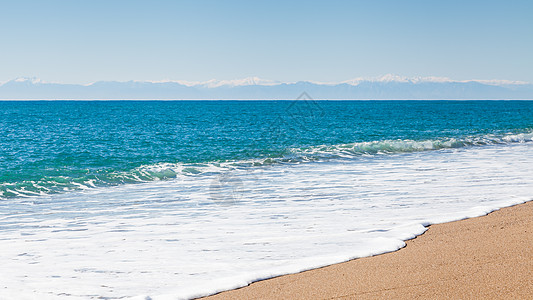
x: 174, y: 238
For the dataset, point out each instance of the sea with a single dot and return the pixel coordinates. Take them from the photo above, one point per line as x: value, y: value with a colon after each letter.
x: 181, y: 199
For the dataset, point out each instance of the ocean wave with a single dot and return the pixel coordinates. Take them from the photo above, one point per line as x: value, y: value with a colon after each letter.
x: 166, y: 171
x: 407, y: 146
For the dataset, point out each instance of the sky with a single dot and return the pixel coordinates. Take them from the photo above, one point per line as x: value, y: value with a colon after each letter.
x: 74, y: 41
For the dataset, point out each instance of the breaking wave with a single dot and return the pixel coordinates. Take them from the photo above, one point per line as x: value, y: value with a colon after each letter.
x: 166, y: 171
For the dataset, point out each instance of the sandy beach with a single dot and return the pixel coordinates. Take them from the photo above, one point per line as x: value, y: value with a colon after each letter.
x: 488, y: 257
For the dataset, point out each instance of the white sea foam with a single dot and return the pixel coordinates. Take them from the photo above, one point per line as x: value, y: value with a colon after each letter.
x: 197, y: 235
x: 164, y: 171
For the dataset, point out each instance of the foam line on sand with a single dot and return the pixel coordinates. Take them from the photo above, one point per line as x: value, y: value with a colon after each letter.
x: 485, y: 257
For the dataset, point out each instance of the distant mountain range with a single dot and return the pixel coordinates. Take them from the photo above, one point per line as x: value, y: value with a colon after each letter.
x: 381, y: 88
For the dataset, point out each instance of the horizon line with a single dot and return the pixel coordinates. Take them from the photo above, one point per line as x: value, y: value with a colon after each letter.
x: 254, y: 80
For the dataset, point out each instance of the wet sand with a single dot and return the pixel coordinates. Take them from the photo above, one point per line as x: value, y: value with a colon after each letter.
x: 489, y: 257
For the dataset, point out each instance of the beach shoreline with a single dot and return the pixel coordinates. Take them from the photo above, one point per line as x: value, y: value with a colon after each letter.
x: 483, y: 257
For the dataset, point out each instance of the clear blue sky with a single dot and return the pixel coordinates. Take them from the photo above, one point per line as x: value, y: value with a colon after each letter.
x: 84, y: 41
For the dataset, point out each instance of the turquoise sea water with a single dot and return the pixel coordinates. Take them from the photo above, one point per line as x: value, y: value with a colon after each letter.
x: 175, y: 200
x: 52, y: 147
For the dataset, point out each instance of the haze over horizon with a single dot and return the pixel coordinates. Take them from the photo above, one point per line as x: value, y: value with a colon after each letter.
x: 254, y: 80
x: 387, y: 87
